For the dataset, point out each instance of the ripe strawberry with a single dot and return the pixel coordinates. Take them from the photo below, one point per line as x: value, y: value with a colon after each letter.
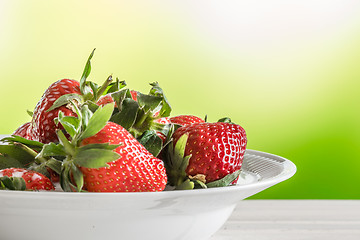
x: 105, y: 99
x: 185, y: 120
x: 213, y: 151
x: 23, y: 131
x: 33, y: 180
x: 43, y: 127
x: 135, y: 171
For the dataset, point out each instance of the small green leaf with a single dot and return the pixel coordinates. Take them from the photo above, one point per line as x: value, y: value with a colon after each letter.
x: 225, y: 181
x: 151, y: 141
x: 13, y: 183
x: 8, y: 162
x: 94, y: 158
x: 19, y: 183
x: 7, y: 183
x: 66, y: 99
x: 119, y: 97
x: 15, y: 155
x: 86, y: 114
x: 78, y: 177
x: 30, y: 113
x: 91, y: 105
x: 65, y: 178
x: 83, y: 88
x: 51, y: 150
x: 100, y: 90
x: 179, y: 152
x: 55, y: 165
x: 225, y: 120
x: 127, y: 116
x: 115, y: 86
x: 149, y: 102
x: 17, y: 139
x: 70, y: 124
x: 156, y: 90
x: 68, y: 147
x: 94, y: 87
x: 98, y: 121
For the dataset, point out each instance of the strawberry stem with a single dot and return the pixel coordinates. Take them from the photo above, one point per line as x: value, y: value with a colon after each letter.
x: 103, y: 87
x: 69, y: 148
x: 32, y: 153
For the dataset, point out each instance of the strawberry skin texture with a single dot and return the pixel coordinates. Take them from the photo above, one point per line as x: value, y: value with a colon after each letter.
x: 43, y: 127
x: 185, y: 120
x: 137, y: 170
x: 34, y: 180
x: 105, y: 99
x: 23, y: 131
x: 217, y: 149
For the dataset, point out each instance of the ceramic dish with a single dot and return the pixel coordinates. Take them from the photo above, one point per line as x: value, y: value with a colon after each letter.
x: 188, y: 214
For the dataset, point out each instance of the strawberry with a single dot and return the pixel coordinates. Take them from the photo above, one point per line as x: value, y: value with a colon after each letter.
x: 61, y: 97
x: 43, y: 127
x: 185, y: 120
x: 23, y: 131
x: 102, y: 156
x: 23, y: 179
x: 206, y: 152
x: 136, y: 170
x: 105, y: 99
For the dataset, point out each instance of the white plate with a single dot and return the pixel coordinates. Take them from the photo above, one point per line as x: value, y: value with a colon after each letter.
x: 187, y: 214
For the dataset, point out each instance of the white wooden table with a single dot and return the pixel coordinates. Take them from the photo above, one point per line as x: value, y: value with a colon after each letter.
x: 293, y: 220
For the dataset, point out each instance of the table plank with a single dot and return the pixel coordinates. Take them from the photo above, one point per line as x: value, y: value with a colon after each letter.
x: 293, y: 219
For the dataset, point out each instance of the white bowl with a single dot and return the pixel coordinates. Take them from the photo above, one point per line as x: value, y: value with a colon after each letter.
x: 187, y: 214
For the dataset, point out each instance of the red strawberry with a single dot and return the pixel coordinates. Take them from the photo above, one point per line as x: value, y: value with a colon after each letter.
x: 23, y: 131
x: 42, y: 126
x: 215, y: 150
x: 135, y: 171
x: 105, y: 99
x: 33, y: 180
x: 185, y: 120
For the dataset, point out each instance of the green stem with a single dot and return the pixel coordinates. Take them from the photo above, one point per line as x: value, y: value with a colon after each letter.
x: 69, y: 148
x: 31, y: 152
x: 103, y: 87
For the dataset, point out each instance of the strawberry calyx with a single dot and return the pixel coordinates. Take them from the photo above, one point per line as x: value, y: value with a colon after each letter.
x: 12, y: 183
x: 176, y: 164
x: 79, y: 128
x: 23, y: 153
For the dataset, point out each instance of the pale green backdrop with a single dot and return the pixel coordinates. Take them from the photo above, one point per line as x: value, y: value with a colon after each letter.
x: 287, y: 71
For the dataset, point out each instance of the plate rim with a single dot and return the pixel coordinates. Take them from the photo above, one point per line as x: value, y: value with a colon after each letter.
x: 289, y: 169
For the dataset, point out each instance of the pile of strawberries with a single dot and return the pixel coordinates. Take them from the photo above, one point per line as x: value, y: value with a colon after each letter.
x: 108, y: 138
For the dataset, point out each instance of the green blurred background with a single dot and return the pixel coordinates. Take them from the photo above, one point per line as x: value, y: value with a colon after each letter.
x: 287, y: 71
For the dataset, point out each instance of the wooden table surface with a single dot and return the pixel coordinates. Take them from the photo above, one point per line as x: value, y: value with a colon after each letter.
x: 293, y: 220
